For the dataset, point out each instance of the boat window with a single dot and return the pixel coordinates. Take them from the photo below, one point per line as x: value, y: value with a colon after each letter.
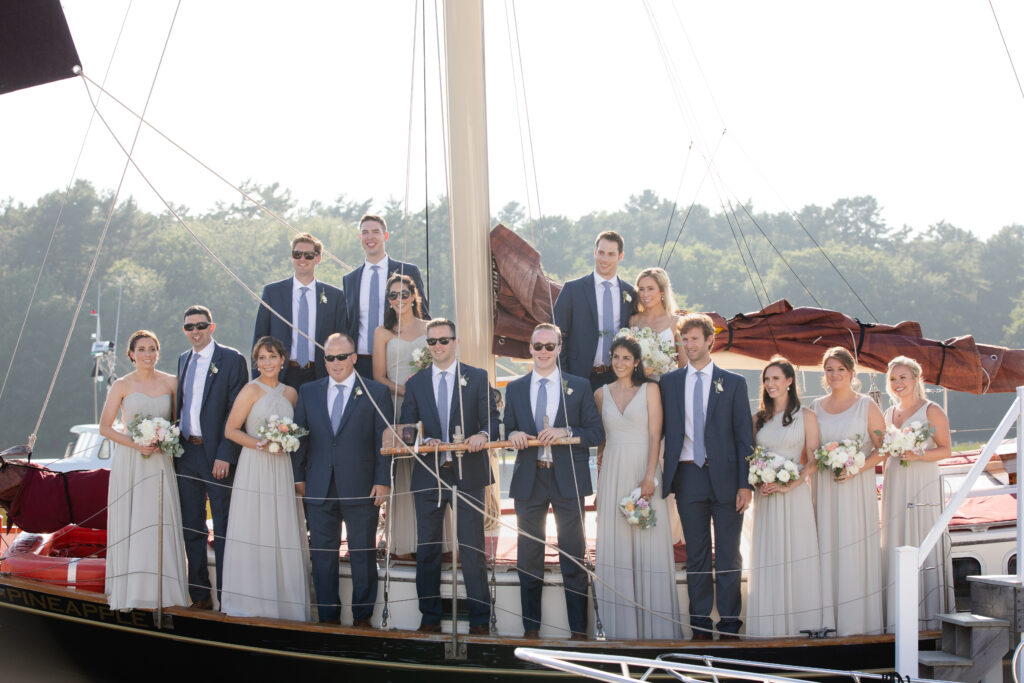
x: 1011, y: 565
x: 67, y: 451
x: 962, y: 568
x: 104, y: 453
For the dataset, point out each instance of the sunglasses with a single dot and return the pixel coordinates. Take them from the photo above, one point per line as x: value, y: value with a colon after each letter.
x: 338, y: 357
x: 443, y: 341
x: 308, y: 255
x: 405, y: 294
x: 550, y: 346
x: 195, y: 326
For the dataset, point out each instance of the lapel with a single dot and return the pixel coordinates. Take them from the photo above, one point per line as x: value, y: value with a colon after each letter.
x: 591, y: 297
x: 624, y: 307
x: 321, y: 407
x: 183, y: 362
x: 357, y: 281
x: 214, y: 360
x: 286, y: 307
x: 682, y: 399
x: 713, y: 395
x: 318, y: 296
x: 350, y: 405
x: 455, y: 413
x: 560, y: 410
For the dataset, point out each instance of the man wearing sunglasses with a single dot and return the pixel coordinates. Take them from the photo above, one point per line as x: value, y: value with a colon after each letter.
x: 591, y: 309
x: 547, y: 405
x: 311, y: 310
x: 365, y: 292
x: 447, y: 397
x: 210, y: 376
x: 340, y: 468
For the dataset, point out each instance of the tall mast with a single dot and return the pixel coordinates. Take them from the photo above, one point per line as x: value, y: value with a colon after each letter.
x: 469, y: 208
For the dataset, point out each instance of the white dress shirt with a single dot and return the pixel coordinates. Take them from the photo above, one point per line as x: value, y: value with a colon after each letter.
x: 616, y: 310
x: 363, y: 347
x: 450, y: 379
x: 691, y: 382
x: 198, y: 385
x: 311, y: 302
x: 554, y: 389
x: 332, y: 394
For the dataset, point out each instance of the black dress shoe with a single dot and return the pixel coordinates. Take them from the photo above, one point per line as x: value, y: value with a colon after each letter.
x: 576, y: 635
x: 362, y: 623
x: 531, y: 634
x: 331, y: 622
x: 480, y: 630
x: 429, y: 628
x: 702, y: 635
x: 205, y: 603
x: 728, y: 636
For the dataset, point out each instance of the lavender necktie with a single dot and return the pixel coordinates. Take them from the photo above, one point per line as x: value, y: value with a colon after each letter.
x: 699, y: 454
x: 442, y: 404
x: 373, y: 315
x: 609, y: 325
x: 186, y: 396
x: 302, y: 352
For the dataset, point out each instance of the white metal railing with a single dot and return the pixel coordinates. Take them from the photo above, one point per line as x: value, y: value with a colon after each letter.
x: 909, y: 559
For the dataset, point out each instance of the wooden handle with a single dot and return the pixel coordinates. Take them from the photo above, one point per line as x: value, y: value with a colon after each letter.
x: 446, y: 447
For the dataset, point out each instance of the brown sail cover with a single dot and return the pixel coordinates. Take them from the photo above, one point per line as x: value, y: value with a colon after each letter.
x: 523, y: 295
x: 35, y: 44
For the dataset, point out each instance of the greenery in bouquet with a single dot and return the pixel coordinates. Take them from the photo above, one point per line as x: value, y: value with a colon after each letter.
x: 147, y: 430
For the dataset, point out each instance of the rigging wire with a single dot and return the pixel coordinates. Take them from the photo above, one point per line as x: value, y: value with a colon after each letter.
x: 1006, y: 47
x: 60, y: 211
x: 526, y: 110
x: 675, y: 202
x: 103, y: 233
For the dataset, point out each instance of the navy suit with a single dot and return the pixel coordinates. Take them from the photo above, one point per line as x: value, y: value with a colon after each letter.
x: 576, y: 315
x: 351, y: 284
x: 563, y: 487
x: 473, y: 410
x: 331, y: 317
x: 226, y: 376
x: 340, y: 469
x: 708, y: 494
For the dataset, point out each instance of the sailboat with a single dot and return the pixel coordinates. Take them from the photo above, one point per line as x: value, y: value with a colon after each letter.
x: 262, y: 648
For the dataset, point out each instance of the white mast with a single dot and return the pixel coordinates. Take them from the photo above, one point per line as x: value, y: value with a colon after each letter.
x: 469, y: 210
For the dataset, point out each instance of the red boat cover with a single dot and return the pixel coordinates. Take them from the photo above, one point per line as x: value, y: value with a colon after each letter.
x: 41, y: 505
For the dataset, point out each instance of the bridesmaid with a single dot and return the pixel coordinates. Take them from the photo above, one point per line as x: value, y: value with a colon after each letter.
x: 847, y: 508
x: 137, y: 476
x: 403, y: 332
x: 266, y: 551
x: 656, y: 307
x: 633, y: 565
x: 917, y: 483
x: 784, y: 595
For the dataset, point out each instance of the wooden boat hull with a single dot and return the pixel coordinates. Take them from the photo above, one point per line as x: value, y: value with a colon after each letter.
x: 114, y: 645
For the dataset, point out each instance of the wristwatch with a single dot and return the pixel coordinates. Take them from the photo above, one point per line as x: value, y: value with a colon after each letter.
x: 569, y: 429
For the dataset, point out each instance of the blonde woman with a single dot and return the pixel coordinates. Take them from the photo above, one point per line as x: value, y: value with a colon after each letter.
x: 656, y: 308
x: 911, y: 497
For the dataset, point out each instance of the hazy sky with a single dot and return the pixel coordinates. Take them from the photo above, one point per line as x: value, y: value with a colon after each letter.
x: 913, y: 102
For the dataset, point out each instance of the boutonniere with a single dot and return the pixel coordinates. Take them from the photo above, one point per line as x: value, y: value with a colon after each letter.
x: 359, y: 392
x: 214, y: 369
x: 463, y: 381
x: 323, y: 297
x: 626, y: 297
x: 566, y: 388
x: 718, y: 386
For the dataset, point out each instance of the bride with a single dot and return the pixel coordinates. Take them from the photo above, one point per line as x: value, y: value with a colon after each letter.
x: 656, y: 308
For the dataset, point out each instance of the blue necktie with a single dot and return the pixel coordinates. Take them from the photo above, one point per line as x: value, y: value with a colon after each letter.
x: 186, y: 396
x: 442, y: 405
x: 338, y: 409
x: 373, y: 315
x: 541, y: 411
x: 699, y: 455
x: 609, y: 329
x: 302, y: 352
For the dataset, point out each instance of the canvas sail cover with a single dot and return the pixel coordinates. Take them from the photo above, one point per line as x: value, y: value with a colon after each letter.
x: 35, y: 44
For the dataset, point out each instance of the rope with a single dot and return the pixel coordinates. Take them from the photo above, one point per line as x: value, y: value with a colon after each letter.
x: 103, y: 234
x: 1006, y: 47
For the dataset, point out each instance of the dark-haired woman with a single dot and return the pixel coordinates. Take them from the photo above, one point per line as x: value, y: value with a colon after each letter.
x: 636, y: 571
x: 846, y: 508
x: 137, y: 475
x: 266, y: 552
x: 784, y: 595
x: 394, y: 343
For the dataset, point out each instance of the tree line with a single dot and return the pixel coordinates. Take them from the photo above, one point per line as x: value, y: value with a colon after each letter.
x: 843, y: 257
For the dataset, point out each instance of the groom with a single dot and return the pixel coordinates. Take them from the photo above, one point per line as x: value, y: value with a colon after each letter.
x: 708, y: 435
x: 340, y: 468
x: 209, y: 378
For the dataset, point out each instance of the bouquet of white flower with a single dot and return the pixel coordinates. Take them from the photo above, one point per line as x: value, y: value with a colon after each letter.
x: 637, y: 510
x: 912, y: 437
x: 280, y: 434
x: 147, y: 430
x: 658, y: 355
x: 841, y: 456
x: 421, y: 359
x: 767, y: 467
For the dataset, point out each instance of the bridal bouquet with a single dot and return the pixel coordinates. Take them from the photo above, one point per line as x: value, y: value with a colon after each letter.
x: 767, y: 467
x: 658, y: 355
x: 421, y: 359
x: 637, y: 510
x: 280, y: 434
x: 841, y: 456
x: 147, y: 430
x: 912, y: 437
